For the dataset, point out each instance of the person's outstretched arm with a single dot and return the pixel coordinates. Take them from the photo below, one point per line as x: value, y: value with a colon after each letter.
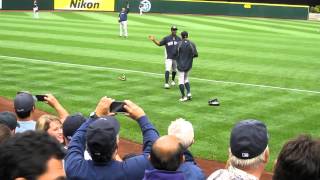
x: 53, y: 102
x: 149, y: 133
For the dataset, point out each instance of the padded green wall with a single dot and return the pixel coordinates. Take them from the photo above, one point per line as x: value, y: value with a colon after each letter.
x: 219, y: 8
x: 26, y: 4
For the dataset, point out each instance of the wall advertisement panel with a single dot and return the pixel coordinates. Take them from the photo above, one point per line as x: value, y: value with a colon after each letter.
x: 0, y: 4
x: 87, y: 5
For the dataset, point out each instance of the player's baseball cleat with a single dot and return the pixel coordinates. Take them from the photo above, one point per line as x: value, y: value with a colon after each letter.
x: 189, y: 96
x: 166, y: 86
x: 173, y: 83
x: 213, y: 102
x: 183, y: 99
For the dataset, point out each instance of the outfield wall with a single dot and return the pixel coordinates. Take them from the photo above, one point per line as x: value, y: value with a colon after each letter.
x: 26, y: 4
x: 223, y: 8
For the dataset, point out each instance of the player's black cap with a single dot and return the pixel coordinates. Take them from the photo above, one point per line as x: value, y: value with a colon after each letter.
x: 184, y: 34
x: 174, y: 27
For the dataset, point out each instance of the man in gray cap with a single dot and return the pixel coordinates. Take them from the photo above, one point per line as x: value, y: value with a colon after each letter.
x: 24, y: 105
x: 249, y: 152
x: 9, y: 119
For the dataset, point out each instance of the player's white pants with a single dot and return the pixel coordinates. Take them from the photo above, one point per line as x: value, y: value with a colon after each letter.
x: 124, y: 28
x: 183, y: 77
x: 36, y: 12
x: 140, y: 11
x: 171, y: 65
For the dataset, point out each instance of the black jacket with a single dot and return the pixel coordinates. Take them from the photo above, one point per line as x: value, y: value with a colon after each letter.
x: 185, y: 52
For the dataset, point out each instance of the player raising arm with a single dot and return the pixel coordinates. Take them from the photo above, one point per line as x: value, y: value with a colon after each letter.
x: 170, y: 42
x: 123, y: 21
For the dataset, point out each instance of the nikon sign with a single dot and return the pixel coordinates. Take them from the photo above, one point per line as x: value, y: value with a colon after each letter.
x: 88, y: 5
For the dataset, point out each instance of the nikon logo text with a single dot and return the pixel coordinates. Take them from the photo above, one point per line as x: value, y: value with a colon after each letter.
x: 84, y: 5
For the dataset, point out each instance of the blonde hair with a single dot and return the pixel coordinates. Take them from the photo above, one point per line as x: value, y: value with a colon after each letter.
x: 183, y: 130
x: 43, y: 123
x: 251, y: 163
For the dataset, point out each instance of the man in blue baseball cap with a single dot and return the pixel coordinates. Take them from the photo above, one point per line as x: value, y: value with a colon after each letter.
x: 249, y: 152
x: 101, y: 135
x: 10, y: 120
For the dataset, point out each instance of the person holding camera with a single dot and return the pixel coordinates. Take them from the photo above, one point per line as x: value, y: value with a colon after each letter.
x: 24, y: 105
x: 100, y: 133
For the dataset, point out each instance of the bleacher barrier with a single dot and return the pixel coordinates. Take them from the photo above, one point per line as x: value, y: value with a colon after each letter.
x: 206, y: 7
x: 222, y: 8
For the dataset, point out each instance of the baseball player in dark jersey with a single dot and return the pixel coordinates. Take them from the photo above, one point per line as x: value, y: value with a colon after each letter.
x: 170, y: 43
x: 123, y: 21
x: 35, y: 9
x: 185, y: 52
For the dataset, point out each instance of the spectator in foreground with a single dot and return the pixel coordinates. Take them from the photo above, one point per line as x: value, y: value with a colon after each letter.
x: 5, y: 133
x: 24, y: 105
x: 71, y: 125
x: 249, y: 152
x: 299, y: 159
x: 166, y: 157
x: 52, y: 125
x: 9, y: 119
x: 101, y: 134
x: 69, y: 128
x: 31, y: 155
x: 183, y: 130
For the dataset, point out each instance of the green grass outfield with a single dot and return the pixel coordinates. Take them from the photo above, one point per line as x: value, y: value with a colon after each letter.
x: 78, y: 56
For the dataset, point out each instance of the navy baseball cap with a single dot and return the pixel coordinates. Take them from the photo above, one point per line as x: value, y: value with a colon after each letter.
x: 174, y: 27
x: 249, y: 139
x: 72, y: 124
x: 9, y: 119
x: 184, y: 34
x: 23, y: 102
x: 102, y: 137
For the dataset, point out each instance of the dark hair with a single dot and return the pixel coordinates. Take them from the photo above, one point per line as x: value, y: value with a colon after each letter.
x: 5, y: 133
x: 26, y: 155
x: 170, y: 161
x: 299, y: 159
x: 23, y: 115
x: 103, y: 156
x: 184, y: 34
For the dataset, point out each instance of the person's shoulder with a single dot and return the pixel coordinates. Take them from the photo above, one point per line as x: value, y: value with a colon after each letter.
x: 189, y: 166
x: 220, y: 174
x: 167, y: 37
x: 191, y: 170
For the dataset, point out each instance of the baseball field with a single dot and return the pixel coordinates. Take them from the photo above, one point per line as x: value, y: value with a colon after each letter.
x: 265, y: 69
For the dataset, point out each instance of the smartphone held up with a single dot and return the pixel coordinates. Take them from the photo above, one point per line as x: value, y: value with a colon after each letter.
x: 117, y: 107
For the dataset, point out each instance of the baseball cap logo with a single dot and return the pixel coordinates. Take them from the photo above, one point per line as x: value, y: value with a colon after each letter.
x: 245, y: 155
x: 20, y: 110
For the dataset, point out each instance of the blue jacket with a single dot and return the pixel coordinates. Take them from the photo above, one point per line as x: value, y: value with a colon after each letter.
x: 191, y: 171
x: 123, y: 16
x: 163, y: 175
x: 78, y: 168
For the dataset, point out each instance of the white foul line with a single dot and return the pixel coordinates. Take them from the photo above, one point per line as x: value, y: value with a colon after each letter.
x: 155, y: 74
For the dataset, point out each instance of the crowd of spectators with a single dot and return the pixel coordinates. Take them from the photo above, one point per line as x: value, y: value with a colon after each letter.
x: 77, y: 147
